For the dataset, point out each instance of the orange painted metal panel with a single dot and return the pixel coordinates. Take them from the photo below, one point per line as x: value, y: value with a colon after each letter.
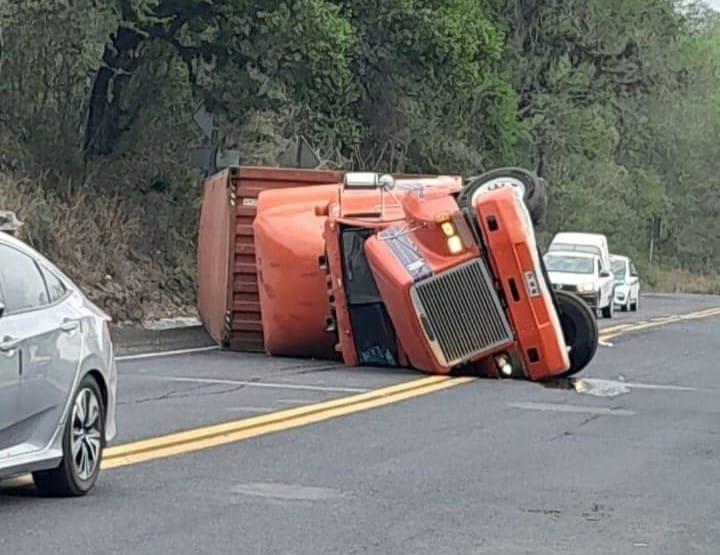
x: 514, y: 256
x: 394, y: 281
x: 293, y: 291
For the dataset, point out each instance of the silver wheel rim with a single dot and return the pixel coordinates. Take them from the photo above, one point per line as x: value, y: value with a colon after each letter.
x: 86, y: 442
x: 518, y: 185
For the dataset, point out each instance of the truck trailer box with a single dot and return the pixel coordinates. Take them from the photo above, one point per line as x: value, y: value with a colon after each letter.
x: 228, y: 299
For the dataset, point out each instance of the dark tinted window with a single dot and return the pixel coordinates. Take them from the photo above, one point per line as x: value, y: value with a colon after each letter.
x: 22, y: 285
x: 54, y: 285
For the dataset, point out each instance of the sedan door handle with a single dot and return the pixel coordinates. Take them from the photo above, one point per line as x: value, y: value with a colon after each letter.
x: 8, y: 345
x: 69, y: 325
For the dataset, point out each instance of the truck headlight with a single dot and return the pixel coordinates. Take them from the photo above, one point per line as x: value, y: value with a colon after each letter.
x: 448, y: 229
x: 588, y: 287
x: 452, y: 239
x: 454, y: 244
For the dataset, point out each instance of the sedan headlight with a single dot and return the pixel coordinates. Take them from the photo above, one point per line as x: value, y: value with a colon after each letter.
x: 586, y: 287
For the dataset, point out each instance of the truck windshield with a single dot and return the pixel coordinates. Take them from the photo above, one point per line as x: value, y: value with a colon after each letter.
x: 569, y: 264
x: 618, y: 268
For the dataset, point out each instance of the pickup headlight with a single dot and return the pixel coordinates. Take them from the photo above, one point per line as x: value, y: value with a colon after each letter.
x: 586, y: 287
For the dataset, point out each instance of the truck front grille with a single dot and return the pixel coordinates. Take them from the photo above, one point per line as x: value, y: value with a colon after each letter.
x: 461, y: 313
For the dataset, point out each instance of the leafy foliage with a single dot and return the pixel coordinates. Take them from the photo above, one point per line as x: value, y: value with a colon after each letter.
x: 615, y: 102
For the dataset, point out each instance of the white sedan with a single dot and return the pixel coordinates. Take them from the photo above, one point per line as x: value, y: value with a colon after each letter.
x: 627, y: 283
x: 58, y: 378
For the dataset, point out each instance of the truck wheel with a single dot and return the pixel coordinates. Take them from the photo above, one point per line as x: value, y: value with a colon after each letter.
x: 579, y: 329
x: 535, y: 189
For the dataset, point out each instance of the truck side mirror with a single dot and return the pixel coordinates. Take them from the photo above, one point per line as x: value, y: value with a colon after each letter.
x: 2, y: 308
x: 604, y: 274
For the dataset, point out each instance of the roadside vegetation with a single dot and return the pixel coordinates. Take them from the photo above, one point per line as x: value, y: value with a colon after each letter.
x: 614, y: 102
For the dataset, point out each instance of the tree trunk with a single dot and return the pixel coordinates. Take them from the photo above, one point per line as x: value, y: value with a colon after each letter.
x: 104, y: 124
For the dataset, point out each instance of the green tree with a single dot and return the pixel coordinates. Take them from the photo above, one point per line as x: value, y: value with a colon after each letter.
x: 432, y: 97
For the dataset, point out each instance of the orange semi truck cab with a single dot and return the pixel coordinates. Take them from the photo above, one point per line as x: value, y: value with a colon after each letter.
x: 432, y: 273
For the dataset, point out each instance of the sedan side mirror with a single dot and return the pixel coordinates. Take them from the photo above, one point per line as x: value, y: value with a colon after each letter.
x: 2, y: 308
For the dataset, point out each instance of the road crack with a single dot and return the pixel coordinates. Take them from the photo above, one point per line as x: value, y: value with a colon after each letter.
x: 185, y: 393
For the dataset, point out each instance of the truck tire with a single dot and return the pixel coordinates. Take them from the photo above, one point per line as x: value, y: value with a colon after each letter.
x: 579, y: 329
x: 535, y: 196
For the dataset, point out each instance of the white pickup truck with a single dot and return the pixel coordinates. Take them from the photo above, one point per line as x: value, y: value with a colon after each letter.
x: 580, y: 263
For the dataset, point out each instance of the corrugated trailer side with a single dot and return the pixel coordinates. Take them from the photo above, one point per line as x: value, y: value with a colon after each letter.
x: 234, y: 287
x: 215, y: 237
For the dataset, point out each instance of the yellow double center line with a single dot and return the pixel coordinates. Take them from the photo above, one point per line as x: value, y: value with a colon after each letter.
x: 612, y: 332
x: 231, y: 432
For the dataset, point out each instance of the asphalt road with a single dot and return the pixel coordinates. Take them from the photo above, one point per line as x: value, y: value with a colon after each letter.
x: 626, y: 461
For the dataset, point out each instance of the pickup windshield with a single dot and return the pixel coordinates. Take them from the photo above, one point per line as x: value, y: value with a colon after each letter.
x: 590, y: 249
x: 569, y: 264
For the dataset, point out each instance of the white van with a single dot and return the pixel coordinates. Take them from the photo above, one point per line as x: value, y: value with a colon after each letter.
x: 593, y: 243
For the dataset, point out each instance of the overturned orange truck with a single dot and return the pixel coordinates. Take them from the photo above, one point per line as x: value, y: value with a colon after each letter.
x: 435, y: 273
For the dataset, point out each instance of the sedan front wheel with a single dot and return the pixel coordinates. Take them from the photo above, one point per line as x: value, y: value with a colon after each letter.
x: 83, y: 444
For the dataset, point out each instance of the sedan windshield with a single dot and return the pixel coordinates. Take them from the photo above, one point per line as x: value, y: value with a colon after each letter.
x: 569, y: 264
x: 618, y: 268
